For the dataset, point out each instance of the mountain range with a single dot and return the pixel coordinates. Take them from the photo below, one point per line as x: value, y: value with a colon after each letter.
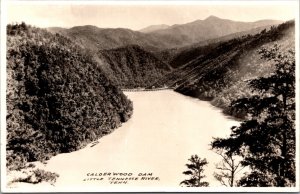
x: 209, y: 28
x: 155, y: 38
x: 139, y: 59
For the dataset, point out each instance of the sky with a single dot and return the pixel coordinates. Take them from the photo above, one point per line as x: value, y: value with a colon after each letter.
x: 136, y: 17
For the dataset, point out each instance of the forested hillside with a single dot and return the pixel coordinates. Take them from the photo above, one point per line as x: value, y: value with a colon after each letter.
x: 132, y: 67
x: 180, y: 56
x: 58, y: 98
x: 265, y: 140
x: 220, y: 71
x: 94, y: 38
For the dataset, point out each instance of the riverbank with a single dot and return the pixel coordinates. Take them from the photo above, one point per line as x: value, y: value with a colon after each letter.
x: 166, y: 128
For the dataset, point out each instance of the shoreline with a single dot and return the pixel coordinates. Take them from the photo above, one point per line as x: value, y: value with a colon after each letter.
x: 126, y: 149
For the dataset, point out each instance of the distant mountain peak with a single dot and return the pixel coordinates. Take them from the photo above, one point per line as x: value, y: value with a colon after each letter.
x: 212, y: 17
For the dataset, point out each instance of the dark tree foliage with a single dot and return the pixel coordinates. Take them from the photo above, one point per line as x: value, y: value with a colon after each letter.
x: 132, y: 67
x: 196, y: 172
x: 58, y: 99
x: 266, y: 139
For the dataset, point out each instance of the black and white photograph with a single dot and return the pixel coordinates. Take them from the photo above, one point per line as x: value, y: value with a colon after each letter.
x: 149, y: 96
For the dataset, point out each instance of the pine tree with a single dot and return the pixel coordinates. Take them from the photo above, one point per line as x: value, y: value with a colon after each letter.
x: 196, y: 169
x: 227, y: 169
x: 266, y: 139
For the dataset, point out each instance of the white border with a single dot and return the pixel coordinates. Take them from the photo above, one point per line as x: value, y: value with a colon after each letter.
x: 153, y: 2
x: 3, y: 17
x: 3, y: 93
x: 297, y: 116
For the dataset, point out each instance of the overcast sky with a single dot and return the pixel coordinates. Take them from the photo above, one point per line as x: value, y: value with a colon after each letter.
x: 139, y: 16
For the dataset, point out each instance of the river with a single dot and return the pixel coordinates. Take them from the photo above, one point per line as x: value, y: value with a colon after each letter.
x: 166, y: 128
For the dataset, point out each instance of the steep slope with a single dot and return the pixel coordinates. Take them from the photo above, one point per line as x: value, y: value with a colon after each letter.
x: 132, y: 67
x: 153, y: 28
x: 182, y: 55
x: 58, y: 99
x: 211, y: 27
x: 220, y: 73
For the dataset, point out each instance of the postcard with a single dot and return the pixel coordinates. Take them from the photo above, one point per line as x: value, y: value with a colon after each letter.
x: 149, y: 96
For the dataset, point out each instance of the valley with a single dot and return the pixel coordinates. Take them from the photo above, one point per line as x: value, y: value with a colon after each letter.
x: 84, y: 101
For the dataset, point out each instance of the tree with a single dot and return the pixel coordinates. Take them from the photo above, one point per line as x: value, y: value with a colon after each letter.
x: 266, y: 139
x: 228, y: 168
x: 196, y: 169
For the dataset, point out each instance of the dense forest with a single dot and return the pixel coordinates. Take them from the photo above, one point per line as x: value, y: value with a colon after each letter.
x: 219, y: 70
x: 58, y: 99
x: 132, y: 66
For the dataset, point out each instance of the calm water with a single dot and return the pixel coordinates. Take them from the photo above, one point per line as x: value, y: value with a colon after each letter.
x: 165, y: 130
